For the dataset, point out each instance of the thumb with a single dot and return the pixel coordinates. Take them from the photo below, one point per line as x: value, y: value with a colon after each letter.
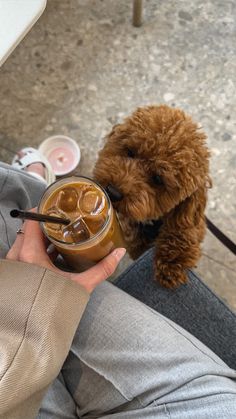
x: 101, y: 271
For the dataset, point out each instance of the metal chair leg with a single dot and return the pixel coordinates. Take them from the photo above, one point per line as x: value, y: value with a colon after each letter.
x: 137, y: 12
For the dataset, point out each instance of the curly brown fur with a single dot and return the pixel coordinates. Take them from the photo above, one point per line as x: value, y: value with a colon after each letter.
x: 159, y: 161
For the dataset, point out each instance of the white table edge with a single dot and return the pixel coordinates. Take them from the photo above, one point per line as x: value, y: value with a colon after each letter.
x: 4, y: 58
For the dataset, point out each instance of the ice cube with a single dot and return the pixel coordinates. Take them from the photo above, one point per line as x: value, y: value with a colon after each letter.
x: 76, y: 231
x: 95, y: 223
x: 55, y: 212
x: 67, y: 199
x: 92, y: 202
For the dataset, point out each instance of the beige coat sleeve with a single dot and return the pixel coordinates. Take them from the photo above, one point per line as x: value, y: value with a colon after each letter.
x: 39, y: 314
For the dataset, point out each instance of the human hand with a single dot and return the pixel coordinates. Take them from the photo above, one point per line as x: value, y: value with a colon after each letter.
x: 31, y: 247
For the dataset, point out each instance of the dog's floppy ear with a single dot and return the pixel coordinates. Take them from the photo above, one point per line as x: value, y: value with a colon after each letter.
x: 190, y: 212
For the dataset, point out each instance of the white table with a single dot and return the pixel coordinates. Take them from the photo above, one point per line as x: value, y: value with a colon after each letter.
x: 16, y: 18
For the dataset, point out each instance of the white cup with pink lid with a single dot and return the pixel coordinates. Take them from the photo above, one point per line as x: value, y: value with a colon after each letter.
x: 62, y: 152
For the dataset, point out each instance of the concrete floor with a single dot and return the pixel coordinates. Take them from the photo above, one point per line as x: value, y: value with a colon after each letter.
x: 83, y: 67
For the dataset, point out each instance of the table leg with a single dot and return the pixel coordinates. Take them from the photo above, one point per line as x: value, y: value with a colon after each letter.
x: 137, y: 12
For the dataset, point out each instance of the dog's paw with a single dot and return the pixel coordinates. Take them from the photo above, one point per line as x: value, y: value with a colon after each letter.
x: 170, y: 275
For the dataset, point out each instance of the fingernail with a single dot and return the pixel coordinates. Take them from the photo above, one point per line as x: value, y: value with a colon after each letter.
x: 119, y: 253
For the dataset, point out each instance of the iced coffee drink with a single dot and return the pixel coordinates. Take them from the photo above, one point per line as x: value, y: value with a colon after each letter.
x: 93, y: 231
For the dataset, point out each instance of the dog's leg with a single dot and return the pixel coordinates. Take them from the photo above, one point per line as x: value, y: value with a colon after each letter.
x: 178, y: 244
x: 175, y: 253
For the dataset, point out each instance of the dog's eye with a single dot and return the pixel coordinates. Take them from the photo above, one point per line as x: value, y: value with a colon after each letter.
x: 130, y: 153
x: 157, y: 180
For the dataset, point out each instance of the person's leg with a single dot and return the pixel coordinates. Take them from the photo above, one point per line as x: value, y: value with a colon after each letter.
x: 17, y: 190
x: 58, y: 403
x: 127, y: 360
x: 193, y: 306
x: 197, y: 299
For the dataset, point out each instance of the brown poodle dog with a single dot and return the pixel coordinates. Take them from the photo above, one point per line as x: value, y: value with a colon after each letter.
x: 155, y: 166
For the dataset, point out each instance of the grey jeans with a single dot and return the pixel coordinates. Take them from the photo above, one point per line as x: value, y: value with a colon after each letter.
x: 128, y: 360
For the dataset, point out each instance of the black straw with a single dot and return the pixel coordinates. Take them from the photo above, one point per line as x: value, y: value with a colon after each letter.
x: 26, y: 215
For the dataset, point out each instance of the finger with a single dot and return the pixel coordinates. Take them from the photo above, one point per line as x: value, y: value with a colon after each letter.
x: 16, y: 247
x: 34, y: 248
x: 98, y: 273
x: 34, y: 236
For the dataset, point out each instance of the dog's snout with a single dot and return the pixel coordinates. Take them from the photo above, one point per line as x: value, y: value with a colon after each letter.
x: 114, y: 193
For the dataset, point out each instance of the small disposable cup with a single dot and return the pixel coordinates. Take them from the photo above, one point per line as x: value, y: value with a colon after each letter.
x: 62, y: 152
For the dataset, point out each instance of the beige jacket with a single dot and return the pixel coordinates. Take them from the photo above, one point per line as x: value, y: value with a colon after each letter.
x: 39, y: 314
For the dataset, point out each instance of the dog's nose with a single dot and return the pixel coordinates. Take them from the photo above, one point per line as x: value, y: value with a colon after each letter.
x: 114, y: 193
